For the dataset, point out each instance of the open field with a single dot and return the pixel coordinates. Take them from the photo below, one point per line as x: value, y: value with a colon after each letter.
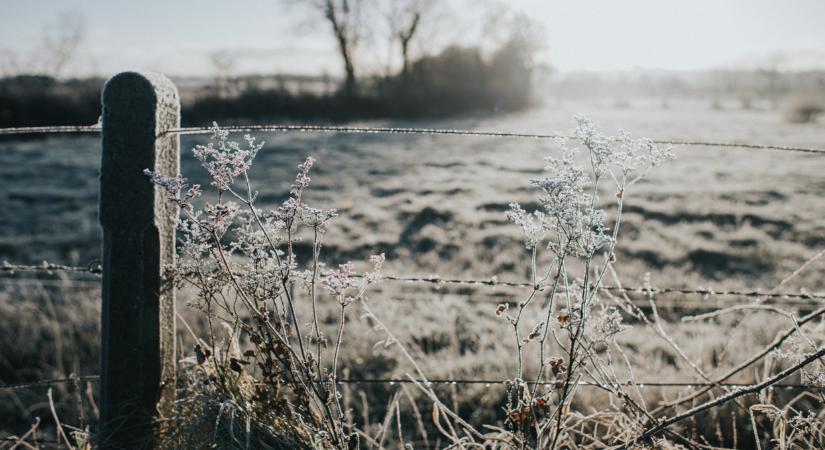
x: 725, y: 218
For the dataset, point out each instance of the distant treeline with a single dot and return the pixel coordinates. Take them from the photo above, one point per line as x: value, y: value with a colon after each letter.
x: 34, y: 100
x: 456, y: 81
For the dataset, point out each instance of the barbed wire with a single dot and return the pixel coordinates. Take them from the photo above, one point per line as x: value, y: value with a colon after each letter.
x: 440, y: 381
x: 184, y: 131
x: 64, y: 129
x: 49, y: 268
x: 491, y: 382
x: 638, y: 290
x: 471, y: 297
x: 456, y: 132
x: 660, y: 303
x: 96, y: 269
x: 48, y: 382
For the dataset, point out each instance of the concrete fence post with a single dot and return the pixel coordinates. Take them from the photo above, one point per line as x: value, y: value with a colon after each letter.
x: 137, y: 365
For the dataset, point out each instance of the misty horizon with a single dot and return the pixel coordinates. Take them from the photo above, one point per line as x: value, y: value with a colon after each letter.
x: 265, y: 37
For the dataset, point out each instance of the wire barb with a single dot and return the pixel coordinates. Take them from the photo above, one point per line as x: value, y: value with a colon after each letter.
x: 49, y: 268
x: 96, y: 269
x: 639, y: 290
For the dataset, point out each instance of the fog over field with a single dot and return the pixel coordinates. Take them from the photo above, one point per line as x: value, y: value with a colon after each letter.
x: 363, y: 283
x: 719, y: 217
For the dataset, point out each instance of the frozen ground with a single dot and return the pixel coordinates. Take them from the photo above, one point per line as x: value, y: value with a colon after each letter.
x: 726, y: 218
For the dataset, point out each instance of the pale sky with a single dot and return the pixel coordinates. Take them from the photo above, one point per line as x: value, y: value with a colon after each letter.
x: 176, y: 37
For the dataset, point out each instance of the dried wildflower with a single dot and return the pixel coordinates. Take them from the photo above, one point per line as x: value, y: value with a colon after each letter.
x: 290, y: 207
x: 501, y: 309
x: 201, y: 353
x: 534, y: 334
x: 377, y: 262
x: 531, y: 225
x: 556, y: 365
x: 568, y: 219
x: 177, y: 189
x: 338, y: 282
x: 316, y: 218
x: 228, y: 160
x: 344, y: 285
x: 608, y: 324
x: 219, y: 216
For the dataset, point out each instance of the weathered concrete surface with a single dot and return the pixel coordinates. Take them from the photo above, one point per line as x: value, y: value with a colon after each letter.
x: 138, y: 317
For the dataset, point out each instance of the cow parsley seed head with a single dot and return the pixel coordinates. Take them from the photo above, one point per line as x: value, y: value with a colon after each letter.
x: 346, y: 286
x: 228, y: 159
x: 177, y: 189
x: 568, y: 219
x: 290, y: 207
x: 377, y: 262
x: 216, y: 218
x: 532, y: 225
x: 316, y: 218
x: 608, y: 324
x: 622, y: 157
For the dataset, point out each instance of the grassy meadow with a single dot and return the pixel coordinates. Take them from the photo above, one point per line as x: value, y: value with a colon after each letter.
x: 720, y: 218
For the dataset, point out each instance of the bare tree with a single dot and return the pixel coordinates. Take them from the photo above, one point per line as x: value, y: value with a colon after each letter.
x: 224, y: 62
x: 61, y: 41
x: 404, y: 18
x: 346, y: 20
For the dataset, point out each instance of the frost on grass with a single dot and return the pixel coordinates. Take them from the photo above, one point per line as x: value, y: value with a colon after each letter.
x: 260, y: 377
x: 571, y: 227
x: 263, y: 375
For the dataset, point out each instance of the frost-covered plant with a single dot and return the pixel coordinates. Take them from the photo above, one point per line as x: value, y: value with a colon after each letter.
x: 264, y: 377
x: 571, y: 225
x: 258, y: 373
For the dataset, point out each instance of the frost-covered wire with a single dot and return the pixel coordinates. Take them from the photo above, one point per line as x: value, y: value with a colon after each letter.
x: 96, y: 269
x: 477, y: 133
x: 93, y: 129
x: 65, y: 129
x: 49, y: 268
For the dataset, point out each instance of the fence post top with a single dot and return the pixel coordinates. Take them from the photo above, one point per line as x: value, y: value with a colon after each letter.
x: 156, y: 82
x: 137, y: 108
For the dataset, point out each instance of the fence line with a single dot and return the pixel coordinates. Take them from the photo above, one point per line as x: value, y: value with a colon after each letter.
x: 31, y: 384
x: 455, y: 132
x: 140, y: 129
x: 47, y: 267
x: 448, y: 381
x: 95, y: 269
x: 185, y: 131
x: 471, y: 298
x: 66, y: 129
x: 638, y: 290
